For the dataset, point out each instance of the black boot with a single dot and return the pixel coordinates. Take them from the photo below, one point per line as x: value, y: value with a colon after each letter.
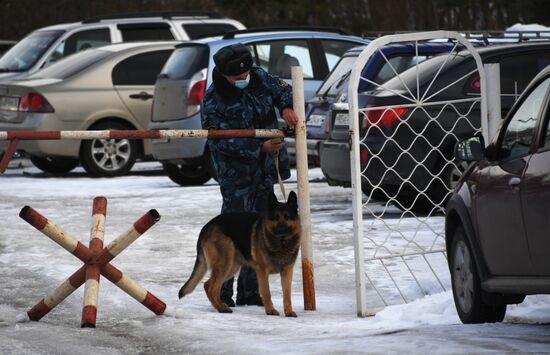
x: 226, y: 293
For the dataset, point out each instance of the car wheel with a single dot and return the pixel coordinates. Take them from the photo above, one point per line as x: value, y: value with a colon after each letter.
x: 108, y: 157
x: 467, y: 292
x: 55, y: 165
x: 187, y: 175
x: 450, y: 175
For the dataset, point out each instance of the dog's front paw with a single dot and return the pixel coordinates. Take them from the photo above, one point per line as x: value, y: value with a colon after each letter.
x: 271, y: 312
x: 225, y: 309
x: 291, y: 314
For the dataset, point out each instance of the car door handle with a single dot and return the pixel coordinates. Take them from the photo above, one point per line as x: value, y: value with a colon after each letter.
x: 514, y: 182
x: 141, y: 96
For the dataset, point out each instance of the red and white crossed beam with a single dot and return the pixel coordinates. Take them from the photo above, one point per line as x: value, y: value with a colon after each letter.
x: 15, y: 136
x: 97, y: 260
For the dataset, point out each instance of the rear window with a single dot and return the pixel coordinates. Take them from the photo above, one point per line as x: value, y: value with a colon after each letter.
x: 516, y: 72
x: 426, y: 70
x: 202, y: 30
x: 186, y: 61
x: 140, y: 69
x: 145, y: 32
x: 28, y: 51
x: 72, y: 65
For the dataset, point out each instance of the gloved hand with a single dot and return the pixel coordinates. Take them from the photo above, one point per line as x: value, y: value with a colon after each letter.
x: 272, y: 146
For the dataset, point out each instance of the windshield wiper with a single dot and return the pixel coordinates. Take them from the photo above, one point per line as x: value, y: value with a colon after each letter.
x: 343, y: 79
x: 337, y: 83
x: 7, y: 70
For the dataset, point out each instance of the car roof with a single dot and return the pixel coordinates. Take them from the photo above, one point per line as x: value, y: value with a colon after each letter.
x: 403, y: 47
x: 498, y: 49
x: 218, y: 41
x: 134, y: 19
x: 123, y: 46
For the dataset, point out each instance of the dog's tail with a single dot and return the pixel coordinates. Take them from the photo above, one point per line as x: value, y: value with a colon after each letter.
x: 197, y: 274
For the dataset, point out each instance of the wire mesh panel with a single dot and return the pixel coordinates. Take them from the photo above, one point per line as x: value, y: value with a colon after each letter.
x: 403, y: 167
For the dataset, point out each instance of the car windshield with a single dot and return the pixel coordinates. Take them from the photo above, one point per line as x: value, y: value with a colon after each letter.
x: 72, y: 65
x: 333, y: 83
x: 28, y: 51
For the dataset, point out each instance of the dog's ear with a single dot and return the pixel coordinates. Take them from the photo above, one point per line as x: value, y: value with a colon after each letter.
x: 293, y: 201
x: 272, y: 202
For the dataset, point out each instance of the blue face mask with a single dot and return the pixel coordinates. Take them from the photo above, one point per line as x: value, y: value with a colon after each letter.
x: 241, y: 84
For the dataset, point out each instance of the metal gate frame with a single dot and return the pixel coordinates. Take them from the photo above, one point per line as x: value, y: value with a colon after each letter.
x: 360, y: 279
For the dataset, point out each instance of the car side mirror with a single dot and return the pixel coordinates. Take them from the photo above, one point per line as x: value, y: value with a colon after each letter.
x: 470, y: 149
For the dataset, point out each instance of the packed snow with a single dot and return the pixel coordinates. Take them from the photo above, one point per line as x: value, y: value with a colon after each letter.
x: 32, y: 265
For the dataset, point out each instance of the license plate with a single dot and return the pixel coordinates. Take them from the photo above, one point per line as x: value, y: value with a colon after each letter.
x: 316, y: 120
x: 8, y: 103
x: 341, y: 119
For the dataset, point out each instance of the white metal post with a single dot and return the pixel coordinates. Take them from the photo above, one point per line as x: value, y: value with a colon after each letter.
x: 357, y: 200
x: 303, y: 188
x: 494, y: 113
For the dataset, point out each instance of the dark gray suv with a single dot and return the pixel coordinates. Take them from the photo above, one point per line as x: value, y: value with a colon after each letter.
x: 497, y: 226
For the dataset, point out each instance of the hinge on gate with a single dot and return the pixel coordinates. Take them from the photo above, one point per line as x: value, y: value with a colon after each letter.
x: 350, y: 135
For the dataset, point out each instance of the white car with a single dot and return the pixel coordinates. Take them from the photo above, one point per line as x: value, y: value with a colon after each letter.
x: 49, y: 44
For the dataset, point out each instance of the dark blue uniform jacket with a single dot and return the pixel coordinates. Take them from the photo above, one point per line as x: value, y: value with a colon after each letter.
x: 245, y: 173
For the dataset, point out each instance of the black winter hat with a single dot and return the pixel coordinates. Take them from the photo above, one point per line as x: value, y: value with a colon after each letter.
x: 233, y: 60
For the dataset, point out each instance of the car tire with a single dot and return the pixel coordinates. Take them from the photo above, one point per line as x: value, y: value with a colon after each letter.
x: 468, y: 296
x: 450, y: 173
x: 108, y: 157
x: 187, y: 175
x: 55, y: 165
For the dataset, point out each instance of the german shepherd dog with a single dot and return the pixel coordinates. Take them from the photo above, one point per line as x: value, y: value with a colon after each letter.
x: 269, y: 243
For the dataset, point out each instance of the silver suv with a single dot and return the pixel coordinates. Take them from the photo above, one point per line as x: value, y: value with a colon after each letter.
x: 49, y: 44
x: 182, y: 82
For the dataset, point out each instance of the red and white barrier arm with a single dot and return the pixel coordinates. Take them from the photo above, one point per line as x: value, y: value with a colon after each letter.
x: 15, y: 136
x: 142, y: 134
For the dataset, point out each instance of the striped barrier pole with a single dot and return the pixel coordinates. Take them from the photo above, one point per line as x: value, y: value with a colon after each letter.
x: 58, y: 295
x: 91, y: 288
x: 15, y: 136
x: 132, y: 288
x: 55, y: 233
x: 95, y: 259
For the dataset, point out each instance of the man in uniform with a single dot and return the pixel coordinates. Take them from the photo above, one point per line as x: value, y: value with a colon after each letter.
x: 242, y: 96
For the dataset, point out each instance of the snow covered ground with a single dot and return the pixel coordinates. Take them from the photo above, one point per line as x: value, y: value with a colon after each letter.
x: 31, y: 265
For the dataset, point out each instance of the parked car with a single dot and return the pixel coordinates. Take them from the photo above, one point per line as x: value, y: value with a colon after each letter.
x: 496, y: 224
x: 5, y: 45
x: 420, y: 151
x: 99, y: 89
x: 328, y: 118
x: 49, y: 44
x: 181, y: 85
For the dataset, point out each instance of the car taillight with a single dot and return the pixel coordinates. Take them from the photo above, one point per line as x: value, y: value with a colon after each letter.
x: 364, y: 155
x: 196, y: 94
x: 385, y: 117
x: 34, y: 103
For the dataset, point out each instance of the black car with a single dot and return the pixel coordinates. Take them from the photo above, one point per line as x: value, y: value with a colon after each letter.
x: 408, y: 150
x: 328, y: 119
x: 497, y: 221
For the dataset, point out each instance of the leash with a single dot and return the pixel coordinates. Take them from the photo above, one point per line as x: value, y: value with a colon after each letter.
x: 276, y: 161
